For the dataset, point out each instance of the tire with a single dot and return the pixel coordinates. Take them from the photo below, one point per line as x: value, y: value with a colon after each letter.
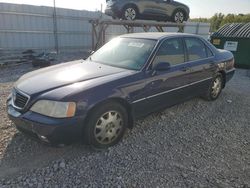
x: 130, y: 13
x: 215, y: 88
x: 179, y: 16
x: 106, y: 125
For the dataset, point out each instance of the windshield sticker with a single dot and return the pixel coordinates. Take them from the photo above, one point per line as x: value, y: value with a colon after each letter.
x: 136, y: 44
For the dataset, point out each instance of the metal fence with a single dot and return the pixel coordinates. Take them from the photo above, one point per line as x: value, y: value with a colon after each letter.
x: 25, y: 27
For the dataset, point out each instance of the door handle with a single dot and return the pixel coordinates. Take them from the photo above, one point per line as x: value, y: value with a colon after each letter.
x: 185, y: 69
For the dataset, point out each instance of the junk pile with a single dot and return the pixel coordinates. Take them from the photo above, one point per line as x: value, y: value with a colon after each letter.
x: 29, y: 56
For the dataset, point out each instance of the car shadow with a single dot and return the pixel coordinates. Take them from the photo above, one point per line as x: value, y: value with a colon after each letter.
x: 24, y: 154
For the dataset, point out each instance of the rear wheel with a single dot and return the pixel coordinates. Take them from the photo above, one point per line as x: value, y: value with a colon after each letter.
x: 106, y: 125
x: 215, y: 88
x: 130, y: 13
x: 178, y: 16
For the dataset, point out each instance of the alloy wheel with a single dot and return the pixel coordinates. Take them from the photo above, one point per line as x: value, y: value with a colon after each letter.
x: 130, y: 14
x: 179, y: 17
x: 216, y: 88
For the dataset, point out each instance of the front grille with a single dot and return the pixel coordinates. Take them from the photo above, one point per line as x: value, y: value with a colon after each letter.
x: 20, y: 100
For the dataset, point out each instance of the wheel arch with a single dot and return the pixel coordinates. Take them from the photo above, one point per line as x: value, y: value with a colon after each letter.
x: 120, y: 101
x: 223, y: 73
x: 131, y: 5
x: 180, y: 9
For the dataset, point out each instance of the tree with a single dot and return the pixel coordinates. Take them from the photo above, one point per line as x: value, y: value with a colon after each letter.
x: 219, y: 19
x: 216, y: 21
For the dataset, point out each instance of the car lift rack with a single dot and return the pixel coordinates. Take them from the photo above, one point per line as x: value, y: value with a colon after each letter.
x: 99, y: 27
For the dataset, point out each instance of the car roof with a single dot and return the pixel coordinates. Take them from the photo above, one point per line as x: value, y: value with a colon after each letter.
x: 155, y: 35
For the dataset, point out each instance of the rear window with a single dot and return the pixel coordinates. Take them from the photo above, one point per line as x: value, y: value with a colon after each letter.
x: 196, y: 49
x: 209, y: 52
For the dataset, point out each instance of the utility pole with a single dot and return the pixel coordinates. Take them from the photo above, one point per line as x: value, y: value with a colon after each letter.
x: 55, y: 27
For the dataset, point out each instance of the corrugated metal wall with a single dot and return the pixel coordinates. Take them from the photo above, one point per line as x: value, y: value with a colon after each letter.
x: 25, y: 27
x: 31, y: 27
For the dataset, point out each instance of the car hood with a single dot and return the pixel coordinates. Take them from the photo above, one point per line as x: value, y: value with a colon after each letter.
x: 53, y: 77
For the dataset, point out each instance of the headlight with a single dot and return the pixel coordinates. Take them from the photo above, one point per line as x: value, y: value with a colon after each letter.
x: 54, y: 108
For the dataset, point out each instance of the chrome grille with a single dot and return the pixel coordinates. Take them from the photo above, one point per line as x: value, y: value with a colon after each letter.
x: 19, y: 99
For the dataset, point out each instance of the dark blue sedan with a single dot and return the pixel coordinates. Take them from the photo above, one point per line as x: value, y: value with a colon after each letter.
x: 131, y: 76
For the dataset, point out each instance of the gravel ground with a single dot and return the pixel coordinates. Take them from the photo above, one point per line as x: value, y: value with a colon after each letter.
x: 194, y: 144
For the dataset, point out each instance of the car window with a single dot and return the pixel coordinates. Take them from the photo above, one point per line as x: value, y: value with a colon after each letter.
x: 171, y: 51
x: 196, y: 49
x: 209, y: 52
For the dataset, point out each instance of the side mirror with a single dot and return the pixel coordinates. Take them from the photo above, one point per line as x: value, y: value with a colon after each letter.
x: 162, y: 66
x: 90, y: 52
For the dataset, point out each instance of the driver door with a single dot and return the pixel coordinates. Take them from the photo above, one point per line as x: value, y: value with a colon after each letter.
x: 165, y: 87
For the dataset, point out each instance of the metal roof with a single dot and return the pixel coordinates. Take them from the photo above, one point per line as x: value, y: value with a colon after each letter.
x: 244, y: 31
x: 237, y: 30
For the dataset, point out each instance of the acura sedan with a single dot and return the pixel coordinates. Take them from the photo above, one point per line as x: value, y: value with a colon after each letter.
x: 131, y: 76
x: 161, y: 10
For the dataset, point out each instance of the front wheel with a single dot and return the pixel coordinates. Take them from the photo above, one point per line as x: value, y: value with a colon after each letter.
x: 106, y: 125
x: 215, y: 88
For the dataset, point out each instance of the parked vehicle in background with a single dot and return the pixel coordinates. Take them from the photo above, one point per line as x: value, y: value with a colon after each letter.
x: 129, y: 77
x: 160, y: 10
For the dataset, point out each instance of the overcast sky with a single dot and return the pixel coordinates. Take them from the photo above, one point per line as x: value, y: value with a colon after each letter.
x: 199, y: 8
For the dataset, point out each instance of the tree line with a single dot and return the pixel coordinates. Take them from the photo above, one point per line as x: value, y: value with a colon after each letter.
x: 220, y: 19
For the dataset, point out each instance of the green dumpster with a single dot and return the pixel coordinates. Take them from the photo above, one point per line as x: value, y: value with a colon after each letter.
x: 235, y: 38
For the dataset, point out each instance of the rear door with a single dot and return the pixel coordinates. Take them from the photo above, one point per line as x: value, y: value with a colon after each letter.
x: 200, y: 63
x: 154, y: 7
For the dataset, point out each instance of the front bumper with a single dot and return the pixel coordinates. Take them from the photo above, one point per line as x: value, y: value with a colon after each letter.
x: 47, y: 129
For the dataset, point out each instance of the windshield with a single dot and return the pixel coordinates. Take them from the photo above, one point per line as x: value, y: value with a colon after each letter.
x: 128, y: 53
